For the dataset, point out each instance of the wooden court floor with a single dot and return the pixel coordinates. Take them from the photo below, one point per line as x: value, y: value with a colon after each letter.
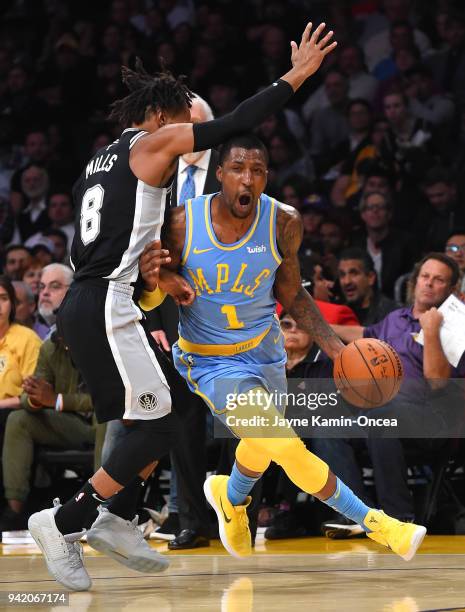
x: 286, y: 576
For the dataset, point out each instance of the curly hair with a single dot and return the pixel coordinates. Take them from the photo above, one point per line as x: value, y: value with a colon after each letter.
x: 149, y: 93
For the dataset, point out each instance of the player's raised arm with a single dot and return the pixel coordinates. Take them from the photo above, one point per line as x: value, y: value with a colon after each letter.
x: 288, y: 284
x: 177, y: 139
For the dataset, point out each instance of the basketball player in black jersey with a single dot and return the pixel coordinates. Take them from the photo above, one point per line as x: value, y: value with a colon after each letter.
x: 120, y: 198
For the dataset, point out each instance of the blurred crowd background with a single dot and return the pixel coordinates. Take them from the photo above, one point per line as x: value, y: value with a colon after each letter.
x: 384, y: 114
x: 371, y: 150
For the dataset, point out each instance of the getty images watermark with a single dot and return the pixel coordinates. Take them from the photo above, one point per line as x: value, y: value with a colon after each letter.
x: 259, y: 404
x: 314, y: 408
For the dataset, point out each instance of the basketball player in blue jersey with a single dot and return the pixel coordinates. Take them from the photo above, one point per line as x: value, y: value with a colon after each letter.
x: 120, y: 199
x: 238, y: 249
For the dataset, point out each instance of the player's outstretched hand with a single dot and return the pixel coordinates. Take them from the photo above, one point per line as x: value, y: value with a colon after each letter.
x: 312, y: 50
x: 152, y: 258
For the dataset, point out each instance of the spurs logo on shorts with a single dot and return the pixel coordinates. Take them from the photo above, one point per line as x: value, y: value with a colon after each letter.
x: 148, y: 401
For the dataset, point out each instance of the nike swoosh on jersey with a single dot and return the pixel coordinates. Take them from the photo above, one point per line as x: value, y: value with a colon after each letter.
x: 226, y: 518
x: 95, y: 496
x: 197, y: 251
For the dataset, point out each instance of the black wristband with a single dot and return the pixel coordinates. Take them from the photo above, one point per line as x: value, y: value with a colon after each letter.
x: 244, y: 118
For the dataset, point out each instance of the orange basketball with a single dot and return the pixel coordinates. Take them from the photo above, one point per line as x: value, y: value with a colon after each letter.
x: 368, y: 373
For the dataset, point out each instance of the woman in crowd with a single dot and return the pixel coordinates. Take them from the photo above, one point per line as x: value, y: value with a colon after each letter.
x: 19, y: 349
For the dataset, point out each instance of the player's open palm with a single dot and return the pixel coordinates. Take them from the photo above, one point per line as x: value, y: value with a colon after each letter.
x: 312, y: 50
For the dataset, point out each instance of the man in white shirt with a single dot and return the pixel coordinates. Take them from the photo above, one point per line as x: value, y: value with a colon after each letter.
x: 196, y: 172
x: 60, y: 213
x: 34, y: 218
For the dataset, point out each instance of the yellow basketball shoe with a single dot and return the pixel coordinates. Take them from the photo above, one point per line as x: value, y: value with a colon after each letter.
x: 402, y: 538
x: 233, y: 521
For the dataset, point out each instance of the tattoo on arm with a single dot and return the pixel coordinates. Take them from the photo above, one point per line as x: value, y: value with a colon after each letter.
x: 288, y: 284
x: 308, y: 316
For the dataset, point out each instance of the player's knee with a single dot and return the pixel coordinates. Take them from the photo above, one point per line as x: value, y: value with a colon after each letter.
x: 253, y: 458
x: 143, y: 443
x: 298, y: 462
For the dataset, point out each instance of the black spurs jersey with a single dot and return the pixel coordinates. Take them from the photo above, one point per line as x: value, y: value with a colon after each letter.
x: 116, y: 214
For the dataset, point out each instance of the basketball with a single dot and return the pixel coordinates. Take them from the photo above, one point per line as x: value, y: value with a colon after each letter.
x: 368, y: 373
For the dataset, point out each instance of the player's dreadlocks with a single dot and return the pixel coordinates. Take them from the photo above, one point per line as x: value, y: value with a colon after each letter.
x: 162, y: 92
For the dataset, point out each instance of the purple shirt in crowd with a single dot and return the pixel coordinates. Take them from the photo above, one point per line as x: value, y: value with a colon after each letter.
x: 397, y: 329
x: 41, y: 329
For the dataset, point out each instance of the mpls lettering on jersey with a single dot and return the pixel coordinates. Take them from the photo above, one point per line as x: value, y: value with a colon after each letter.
x: 229, y: 279
x: 233, y: 282
x: 104, y: 163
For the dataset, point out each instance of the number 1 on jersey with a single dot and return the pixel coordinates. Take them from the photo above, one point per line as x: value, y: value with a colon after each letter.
x: 92, y: 202
x: 231, y: 315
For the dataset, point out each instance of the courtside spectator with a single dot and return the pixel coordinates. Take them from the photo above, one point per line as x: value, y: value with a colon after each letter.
x: 393, y: 250
x: 455, y: 249
x: 443, y: 210
x: 17, y: 260
x: 55, y: 412
x: 426, y: 373
x: 19, y: 349
x: 32, y: 274
x: 33, y: 218
x: 357, y: 279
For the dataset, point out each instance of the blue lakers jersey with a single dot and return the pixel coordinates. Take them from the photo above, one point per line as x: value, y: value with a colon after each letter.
x: 233, y: 282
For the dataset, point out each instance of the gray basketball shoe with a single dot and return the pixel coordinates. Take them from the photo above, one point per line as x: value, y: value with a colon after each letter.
x: 63, y: 553
x: 124, y: 542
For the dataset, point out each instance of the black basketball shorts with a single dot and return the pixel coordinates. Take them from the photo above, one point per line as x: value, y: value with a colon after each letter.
x: 125, y: 373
